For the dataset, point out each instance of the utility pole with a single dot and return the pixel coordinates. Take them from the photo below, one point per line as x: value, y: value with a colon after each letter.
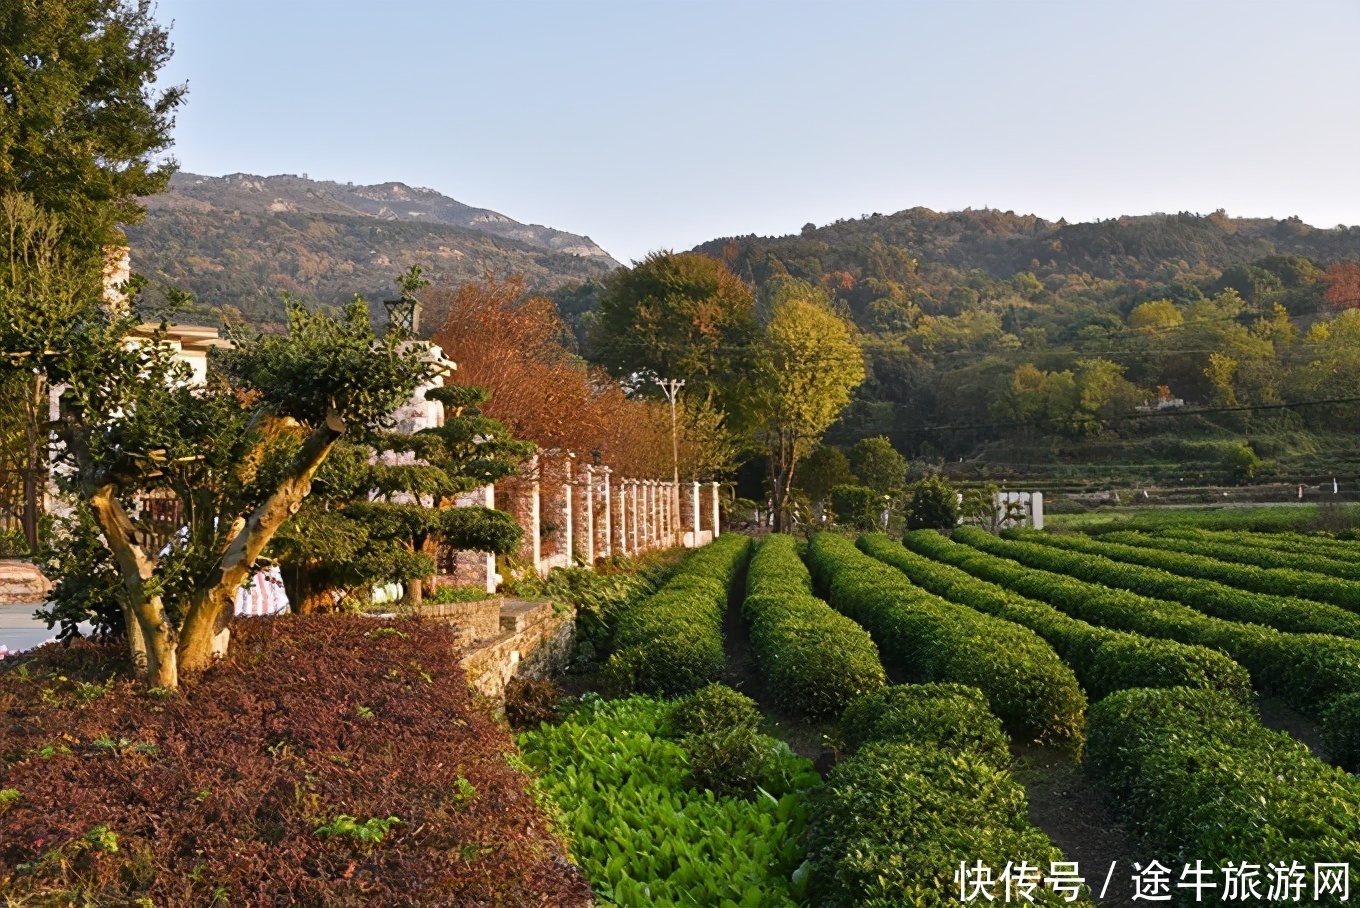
x: 672, y: 388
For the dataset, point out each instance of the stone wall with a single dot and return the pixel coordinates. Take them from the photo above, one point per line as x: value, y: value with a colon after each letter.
x: 535, y: 642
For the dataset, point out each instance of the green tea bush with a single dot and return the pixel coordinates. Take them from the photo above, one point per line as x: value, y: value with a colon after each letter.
x: 814, y: 659
x: 928, y: 787
x: 713, y: 708
x: 1239, y: 592
x: 642, y: 835
x: 1307, y: 670
x: 1329, y: 547
x: 1036, y: 696
x: 953, y: 716
x: 1341, y: 731
x: 672, y: 641
x: 855, y: 506
x: 1226, y: 549
x: 1104, y: 660
x: 1200, y: 778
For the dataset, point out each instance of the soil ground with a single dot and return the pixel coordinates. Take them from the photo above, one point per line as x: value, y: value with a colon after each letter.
x: 1276, y: 714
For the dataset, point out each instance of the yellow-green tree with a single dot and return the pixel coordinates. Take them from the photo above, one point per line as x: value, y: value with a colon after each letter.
x: 804, y: 367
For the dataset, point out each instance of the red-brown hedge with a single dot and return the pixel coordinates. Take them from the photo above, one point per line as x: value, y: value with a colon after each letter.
x: 214, y: 795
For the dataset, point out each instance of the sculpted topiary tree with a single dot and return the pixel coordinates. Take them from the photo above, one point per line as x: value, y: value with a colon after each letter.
x: 238, y: 453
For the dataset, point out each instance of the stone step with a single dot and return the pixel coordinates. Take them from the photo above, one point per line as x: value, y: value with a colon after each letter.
x: 20, y: 581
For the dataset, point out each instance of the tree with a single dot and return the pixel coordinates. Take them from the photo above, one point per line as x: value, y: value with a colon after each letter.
x: 1343, y: 286
x: 1156, y: 315
x: 802, y: 371
x: 380, y: 507
x: 676, y: 315
x: 822, y: 470
x: 82, y: 130
x: 238, y: 454
x: 856, y: 507
x: 932, y: 504
x: 878, y: 465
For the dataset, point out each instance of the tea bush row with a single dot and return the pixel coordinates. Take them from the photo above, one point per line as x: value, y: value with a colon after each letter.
x: 1201, y: 778
x: 930, y: 780
x: 814, y: 659
x: 1104, y: 660
x: 1185, y: 578
x: 1238, y: 592
x: 672, y: 641
x: 1306, y: 556
x: 1026, y: 684
x: 1307, y: 670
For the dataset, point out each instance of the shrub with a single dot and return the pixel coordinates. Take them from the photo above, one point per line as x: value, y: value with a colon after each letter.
x: 250, y: 758
x: 1226, y: 548
x: 1341, y: 731
x: 932, y: 504
x: 1026, y: 684
x: 1238, y: 592
x: 856, y: 507
x: 1199, y: 776
x: 893, y: 822
x: 1104, y: 660
x: 713, y: 708
x: 641, y: 835
x: 672, y: 641
x: 814, y: 659
x: 952, y: 716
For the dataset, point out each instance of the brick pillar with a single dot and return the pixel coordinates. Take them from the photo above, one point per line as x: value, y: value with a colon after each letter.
x: 535, y: 523
x: 489, y: 499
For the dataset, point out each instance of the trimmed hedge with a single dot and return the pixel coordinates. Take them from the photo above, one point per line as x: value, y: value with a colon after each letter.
x: 1285, y: 600
x: 1329, y: 546
x: 938, y: 715
x: 1223, y: 549
x: 1307, y: 670
x: 1036, y: 696
x: 1202, y: 779
x: 1104, y: 660
x: 930, y: 787
x: 1200, y: 583
x: 1341, y: 731
x: 814, y: 659
x: 672, y: 642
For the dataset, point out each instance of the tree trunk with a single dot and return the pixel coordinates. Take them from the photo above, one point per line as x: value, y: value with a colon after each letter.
x: 210, y: 608
x: 151, y: 638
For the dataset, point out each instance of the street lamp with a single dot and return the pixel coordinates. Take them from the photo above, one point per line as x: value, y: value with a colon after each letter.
x: 672, y: 388
x: 403, y: 314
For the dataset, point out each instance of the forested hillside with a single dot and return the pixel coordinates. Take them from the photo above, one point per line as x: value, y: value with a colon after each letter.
x: 992, y: 335
x: 241, y: 239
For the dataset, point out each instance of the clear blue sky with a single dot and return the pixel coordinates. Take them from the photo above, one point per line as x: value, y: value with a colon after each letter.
x: 653, y: 125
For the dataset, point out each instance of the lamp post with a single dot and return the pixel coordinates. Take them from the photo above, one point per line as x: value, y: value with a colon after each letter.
x: 672, y: 388
x: 403, y: 313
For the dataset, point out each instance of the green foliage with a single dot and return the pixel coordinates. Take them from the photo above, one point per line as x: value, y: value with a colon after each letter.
x: 1340, y: 731
x: 1307, y: 670
x: 1310, y: 556
x: 821, y: 471
x: 856, y: 507
x: 1240, y: 463
x: 369, y: 833
x: 677, y: 316
x: 672, y: 641
x: 711, y: 709
x: 891, y: 823
x: 84, y: 131
x: 950, y: 716
x: 1238, y: 592
x: 1036, y: 696
x: 932, y: 504
x: 1198, y: 774
x: 1103, y: 660
x: 642, y: 835
x: 878, y: 465
x: 9, y: 796
x: 814, y: 660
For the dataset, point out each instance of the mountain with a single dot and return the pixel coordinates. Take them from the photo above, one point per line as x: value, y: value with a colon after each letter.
x: 239, y: 240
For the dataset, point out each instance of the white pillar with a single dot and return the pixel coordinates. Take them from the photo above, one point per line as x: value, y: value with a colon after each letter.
x: 489, y: 497
x: 696, y: 513
x: 590, y: 516
x: 633, y: 505
x: 1037, y: 509
x: 715, y: 510
x: 646, y: 514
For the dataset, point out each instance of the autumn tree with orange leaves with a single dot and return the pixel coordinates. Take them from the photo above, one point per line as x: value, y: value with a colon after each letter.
x: 1343, y: 286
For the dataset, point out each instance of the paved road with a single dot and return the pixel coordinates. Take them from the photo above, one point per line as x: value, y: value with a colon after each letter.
x: 19, y: 630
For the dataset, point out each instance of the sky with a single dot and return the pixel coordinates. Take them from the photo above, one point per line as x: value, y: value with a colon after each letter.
x: 660, y: 125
